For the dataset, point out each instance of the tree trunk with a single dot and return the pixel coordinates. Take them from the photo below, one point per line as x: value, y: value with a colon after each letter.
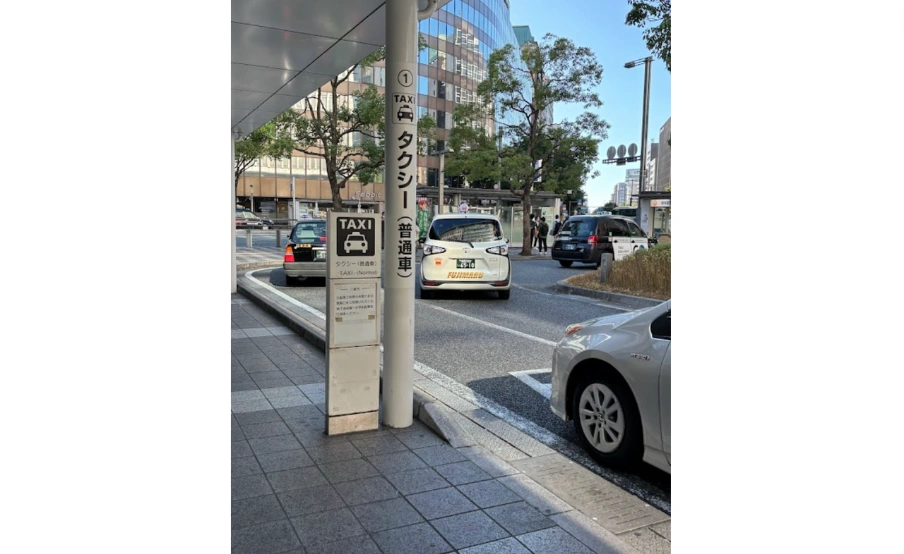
x: 525, y: 215
x: 337, y: 198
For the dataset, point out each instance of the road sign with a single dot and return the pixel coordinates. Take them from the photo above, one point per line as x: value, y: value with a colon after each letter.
x: 463, y: 208
x: 405, y: 78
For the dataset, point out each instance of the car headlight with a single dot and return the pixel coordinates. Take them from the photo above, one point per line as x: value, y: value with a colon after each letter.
x: 573, y: 328
x: 430, y: 249
x: 502, y: 250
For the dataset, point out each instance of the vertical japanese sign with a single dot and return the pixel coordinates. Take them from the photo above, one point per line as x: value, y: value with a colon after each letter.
x: 402, y: 169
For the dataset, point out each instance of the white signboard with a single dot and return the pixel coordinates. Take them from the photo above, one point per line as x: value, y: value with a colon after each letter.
x: 661, y: 203
x: 463, y: 208
x: 354, y: 313
x: 354, y: 243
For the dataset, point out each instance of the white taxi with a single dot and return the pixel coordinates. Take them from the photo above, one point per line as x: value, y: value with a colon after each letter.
x: 465, y: 252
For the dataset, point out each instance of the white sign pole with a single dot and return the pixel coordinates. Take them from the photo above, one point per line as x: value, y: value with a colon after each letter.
x: 401, y: 205
x: 352, y: 323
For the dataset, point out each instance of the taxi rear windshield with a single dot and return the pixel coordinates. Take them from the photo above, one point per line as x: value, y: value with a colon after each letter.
x: 309, y: 233
x: 466, y: 230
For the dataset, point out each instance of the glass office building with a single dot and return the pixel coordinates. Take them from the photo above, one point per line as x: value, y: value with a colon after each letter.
x: 460, y: 37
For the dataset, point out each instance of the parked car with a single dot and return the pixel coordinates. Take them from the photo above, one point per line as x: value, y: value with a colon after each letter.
x: 246, y: 218
x: 465, y: 252
x: 612, y: 377
x: 585, y: 238
x: 305, y: 254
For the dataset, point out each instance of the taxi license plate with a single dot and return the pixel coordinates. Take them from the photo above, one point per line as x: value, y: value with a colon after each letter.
x: 567, y: 247
x: 464, y: 264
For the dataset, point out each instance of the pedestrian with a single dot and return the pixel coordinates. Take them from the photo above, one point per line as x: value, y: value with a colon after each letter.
x: 542, y: 232
x: 533, y: 232
x: 556, y: 226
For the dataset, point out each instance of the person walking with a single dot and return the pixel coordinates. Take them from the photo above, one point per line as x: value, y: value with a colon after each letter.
x: 542, y: 232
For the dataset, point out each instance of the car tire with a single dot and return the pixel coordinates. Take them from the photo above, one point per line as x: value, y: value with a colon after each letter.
x: 565, y: 263
x: 504, y: 294
x: 291, y: 281
x: 621, y: 443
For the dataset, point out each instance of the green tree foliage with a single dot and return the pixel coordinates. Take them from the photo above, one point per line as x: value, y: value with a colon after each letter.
x: 655, y: 18
x: 347, y: 132
x: 519, y: 87
x: 267, y: 141
x: 609, y: 206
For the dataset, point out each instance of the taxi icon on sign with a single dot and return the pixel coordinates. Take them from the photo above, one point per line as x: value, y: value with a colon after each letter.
x: 406, y: 113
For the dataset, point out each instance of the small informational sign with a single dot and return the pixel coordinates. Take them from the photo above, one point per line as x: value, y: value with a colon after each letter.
x: 354, y: 245
x: 463, y: 208
x: 404, y: 108
x: 662, y: 203
x: 354, y: 313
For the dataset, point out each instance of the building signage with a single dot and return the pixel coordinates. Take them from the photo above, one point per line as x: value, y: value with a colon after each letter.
x: 662, y: 203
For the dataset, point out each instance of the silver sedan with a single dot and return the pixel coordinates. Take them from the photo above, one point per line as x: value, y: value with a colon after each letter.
x: 612, y: 376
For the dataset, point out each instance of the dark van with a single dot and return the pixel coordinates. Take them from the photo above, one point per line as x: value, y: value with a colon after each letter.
x: 584, y: 239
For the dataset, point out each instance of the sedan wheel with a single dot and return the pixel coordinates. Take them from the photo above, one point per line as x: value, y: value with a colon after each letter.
x: 606, y: 420
x: 564, y: 263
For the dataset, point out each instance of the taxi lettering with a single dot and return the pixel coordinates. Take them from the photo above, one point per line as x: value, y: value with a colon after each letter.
x: 465, y: 274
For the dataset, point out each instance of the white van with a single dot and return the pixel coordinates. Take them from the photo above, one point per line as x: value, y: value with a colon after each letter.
x: 465, y: 252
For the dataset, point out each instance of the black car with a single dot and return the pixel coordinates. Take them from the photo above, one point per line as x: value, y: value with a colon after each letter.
x: 584, y: 239
x: 306, y: 252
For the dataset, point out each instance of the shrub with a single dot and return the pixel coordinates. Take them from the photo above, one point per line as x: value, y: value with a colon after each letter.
x: 644, y: 272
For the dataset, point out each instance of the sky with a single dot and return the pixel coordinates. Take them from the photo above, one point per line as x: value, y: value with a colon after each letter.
x: 600, y: 26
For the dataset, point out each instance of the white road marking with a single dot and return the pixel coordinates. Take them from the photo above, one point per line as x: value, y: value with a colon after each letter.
x: 493, y: 325
x: 544, y: 389
x: 584, y: 299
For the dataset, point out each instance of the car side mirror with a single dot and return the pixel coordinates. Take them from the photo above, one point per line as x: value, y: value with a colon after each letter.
x: 507, y: 241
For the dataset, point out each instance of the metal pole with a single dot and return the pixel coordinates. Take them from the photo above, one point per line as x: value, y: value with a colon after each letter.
x: 401, y: 203
x: 232, y: 218
x: 647, y: 63
x: 293, y: 215
x: 442, y: 179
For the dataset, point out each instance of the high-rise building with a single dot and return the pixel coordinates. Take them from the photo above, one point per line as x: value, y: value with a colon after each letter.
x: 526, y: 40
x: 460, y: 37
x: 620, y: 194
x: 664, y: 159
x: 649, y: 175
x: 632, y: 177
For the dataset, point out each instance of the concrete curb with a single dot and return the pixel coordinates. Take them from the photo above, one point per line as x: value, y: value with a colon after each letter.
x: 257, y: 265
x: 303, y: 328
x: 633, y: 302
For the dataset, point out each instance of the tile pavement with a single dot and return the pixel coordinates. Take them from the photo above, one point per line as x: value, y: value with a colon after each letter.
x: 389, y: 491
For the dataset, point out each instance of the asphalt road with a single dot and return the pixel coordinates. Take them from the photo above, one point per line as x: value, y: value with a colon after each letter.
x: 483, y: 343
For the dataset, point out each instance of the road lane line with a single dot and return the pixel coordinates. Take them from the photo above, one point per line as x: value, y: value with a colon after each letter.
x: 583, y: 299
x: 493, y: 325
x: 544, y: 389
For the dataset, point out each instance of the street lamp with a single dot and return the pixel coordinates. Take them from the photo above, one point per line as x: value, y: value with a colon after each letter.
x: 647, y: 63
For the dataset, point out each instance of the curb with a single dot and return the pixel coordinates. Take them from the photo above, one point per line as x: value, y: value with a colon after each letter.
x: 257, y: 265
x: 634, y: 302
x: 304, y: 329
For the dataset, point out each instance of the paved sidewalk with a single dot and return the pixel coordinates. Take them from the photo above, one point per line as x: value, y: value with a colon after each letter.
x: 284, y: 385
x: 294, y: 489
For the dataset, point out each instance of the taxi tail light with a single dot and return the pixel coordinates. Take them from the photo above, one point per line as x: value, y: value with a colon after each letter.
x: 322, y: 239
x: 430, y: 249
x: 502, y: 250
x: 591, y: 239
x: 290, y: 256
x: 430, y: 283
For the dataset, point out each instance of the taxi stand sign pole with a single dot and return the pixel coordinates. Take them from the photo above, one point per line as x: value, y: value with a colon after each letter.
x: 353, y: 323
x: 401, y: 205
